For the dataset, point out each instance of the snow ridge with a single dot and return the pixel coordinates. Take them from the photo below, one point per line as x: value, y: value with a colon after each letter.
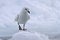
x: 25, y: 35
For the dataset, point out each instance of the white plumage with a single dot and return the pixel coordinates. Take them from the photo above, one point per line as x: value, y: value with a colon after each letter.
x: 23, y: 17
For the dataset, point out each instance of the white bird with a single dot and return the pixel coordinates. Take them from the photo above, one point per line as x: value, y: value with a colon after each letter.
x: 23, y: 17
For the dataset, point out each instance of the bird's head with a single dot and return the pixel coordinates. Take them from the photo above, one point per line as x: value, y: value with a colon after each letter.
x: 27, y: 10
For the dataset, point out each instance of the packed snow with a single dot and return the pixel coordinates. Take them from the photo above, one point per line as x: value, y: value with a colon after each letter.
x: 25, y: 35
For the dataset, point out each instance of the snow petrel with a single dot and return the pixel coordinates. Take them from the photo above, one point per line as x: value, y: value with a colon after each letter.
x: 23, y: 17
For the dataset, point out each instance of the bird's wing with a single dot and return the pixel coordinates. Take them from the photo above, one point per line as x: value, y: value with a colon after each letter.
x: 16, y: 19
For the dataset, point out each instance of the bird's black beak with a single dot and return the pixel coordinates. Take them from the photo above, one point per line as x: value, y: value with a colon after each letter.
x: 29, y: 12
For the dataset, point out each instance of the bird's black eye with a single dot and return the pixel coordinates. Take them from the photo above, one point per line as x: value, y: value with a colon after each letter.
x: 29, y: 12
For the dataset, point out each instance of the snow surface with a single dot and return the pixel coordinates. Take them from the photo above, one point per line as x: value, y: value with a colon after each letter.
x: 25, y: 35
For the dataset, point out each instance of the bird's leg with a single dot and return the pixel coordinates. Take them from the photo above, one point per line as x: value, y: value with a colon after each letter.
x: 19, y: 27
x: 24, y: 27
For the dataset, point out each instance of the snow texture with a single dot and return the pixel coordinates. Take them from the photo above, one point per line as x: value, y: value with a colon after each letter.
x: 25, y: 35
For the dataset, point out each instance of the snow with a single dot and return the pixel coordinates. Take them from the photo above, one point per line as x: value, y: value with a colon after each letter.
x: 25, y: 35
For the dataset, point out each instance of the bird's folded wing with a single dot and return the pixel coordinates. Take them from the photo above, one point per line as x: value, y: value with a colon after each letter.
x: 16, y: 19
